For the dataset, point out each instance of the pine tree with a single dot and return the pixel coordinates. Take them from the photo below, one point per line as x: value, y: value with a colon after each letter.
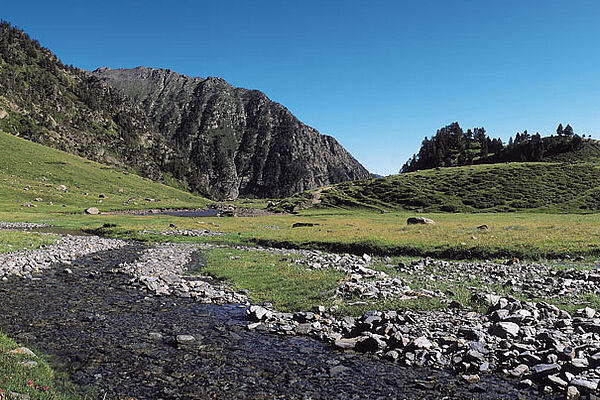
x: 568, y: 131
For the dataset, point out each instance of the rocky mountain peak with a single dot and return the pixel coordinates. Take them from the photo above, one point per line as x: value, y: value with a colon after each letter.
x: 230, y: 141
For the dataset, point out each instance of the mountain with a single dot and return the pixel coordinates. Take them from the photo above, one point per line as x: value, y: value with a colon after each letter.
x: 43, y: 100
x: 507, y: 187
x: 200, y: 134
x: 231, y: 141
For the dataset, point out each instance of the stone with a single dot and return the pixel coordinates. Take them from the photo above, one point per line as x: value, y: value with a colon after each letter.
x: 185, y: 339
x: 155, y: 336
x: 525, y: 383
x: 519, y: 370
x: 579, y: 364
x: 346, y: 344
x: 22, y: 351
x: 557, y: 381
x: 392, y: 355
x: 304, y: 329
x: 572, y: 393
x: 543, y: 370
x: 337, y: 370
x: 29, y: 364
x: 92, y: 211
x: 419, y: 221
x: 472, y: 379
x: 319, y: 309
x: 258, y: 313
x: 470, y: 333
x: 505, y: 329
x: 18, y: 396
x: 370, y: 344
x: 422, y: 343
x: 303, y: 224
x: 584, y: 385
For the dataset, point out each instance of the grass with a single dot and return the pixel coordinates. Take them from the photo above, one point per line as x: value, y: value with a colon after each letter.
x: 290, y: 285
x: 29, y: 171
x: 14, y: 241
x: 454, y: 236
x: 273, y: 278
x: 509, y: 187
x: 39, y: 382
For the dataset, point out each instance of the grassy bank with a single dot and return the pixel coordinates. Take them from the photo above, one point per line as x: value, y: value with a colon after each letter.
x: 15, y: 241
x: 31, y: 376
x: 290, y: 284
x: 272, y: 278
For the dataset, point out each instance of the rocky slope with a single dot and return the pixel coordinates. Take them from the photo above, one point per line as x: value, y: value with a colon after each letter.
x: 232, y: 141
x: 43, y: 100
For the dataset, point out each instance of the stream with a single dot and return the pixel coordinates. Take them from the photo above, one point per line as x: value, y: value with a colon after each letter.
x: 122, y: 341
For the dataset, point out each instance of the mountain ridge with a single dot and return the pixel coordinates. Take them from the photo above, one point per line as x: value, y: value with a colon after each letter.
x: 260, y: 135
x: 202, y: 134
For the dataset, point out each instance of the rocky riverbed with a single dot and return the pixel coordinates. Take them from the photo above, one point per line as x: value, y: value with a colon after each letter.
x: 532, y: 341
x: 111, y: 329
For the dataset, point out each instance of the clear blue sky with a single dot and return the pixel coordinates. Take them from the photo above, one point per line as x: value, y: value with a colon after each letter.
x: 377, y: 75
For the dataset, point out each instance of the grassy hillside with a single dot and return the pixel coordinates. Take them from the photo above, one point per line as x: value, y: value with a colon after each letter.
x: 589, y: 151
x: 510, y: 187
x: 29, y: 171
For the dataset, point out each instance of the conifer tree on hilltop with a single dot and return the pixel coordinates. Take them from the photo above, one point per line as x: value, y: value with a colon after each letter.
x: 451, y: 146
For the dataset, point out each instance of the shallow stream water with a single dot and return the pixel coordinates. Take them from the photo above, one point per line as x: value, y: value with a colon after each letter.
x: 105, y: 333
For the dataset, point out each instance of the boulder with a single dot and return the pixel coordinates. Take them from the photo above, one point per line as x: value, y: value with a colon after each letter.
x: 92, y: 211
x: 258, y: 313
x: 419, y: 221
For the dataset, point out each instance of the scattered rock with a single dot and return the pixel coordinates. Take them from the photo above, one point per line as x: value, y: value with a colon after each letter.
x: 419, y: 221
x: 22, y: 351
x: 303, y: 224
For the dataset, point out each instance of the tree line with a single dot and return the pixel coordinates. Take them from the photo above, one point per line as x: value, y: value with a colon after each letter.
x: 452, y: 146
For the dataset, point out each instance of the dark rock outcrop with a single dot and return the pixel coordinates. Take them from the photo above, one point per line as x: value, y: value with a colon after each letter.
x: 231, y: 141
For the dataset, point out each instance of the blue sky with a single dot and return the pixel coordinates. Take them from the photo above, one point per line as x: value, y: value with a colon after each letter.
x: 377, y: 75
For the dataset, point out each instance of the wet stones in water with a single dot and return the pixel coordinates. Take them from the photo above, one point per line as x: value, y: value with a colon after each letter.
x: 185, y: 339
x: 117, y: 354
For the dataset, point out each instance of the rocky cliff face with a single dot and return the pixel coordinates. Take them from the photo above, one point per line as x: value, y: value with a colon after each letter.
x: 229, y: 142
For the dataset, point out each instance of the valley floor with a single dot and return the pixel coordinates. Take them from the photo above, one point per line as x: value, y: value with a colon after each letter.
x: 314, y: 305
